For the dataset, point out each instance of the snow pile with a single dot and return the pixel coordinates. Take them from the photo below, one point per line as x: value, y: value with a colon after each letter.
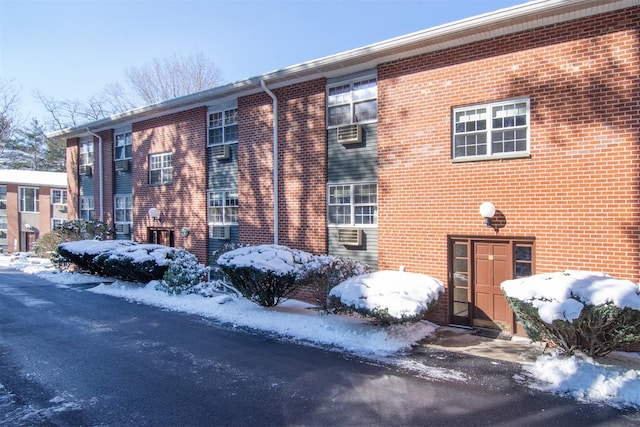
x: 95, y: 247
x: 280, y: 260
x: 586, y: 380
x: 400, y: 294
x: 139, y: 253
x: 561, y: 296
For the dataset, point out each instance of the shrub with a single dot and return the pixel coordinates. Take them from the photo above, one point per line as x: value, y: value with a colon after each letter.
x: 77, y: 229
x: 82, y: 253
x: 47, y: 244
x: 388, y: 296
x: 264, y: 274
x: 326, y: 271
x: 134, y: 263
x: 184, y: 274
x: 570, y: 311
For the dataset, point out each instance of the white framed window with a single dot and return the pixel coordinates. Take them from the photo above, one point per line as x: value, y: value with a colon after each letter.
x: 87, y: 208
x: 3, y: 226
x: 222, y: 207
x: 352, y: 204
x: 223, y: 127
x: 28, y: 198
x: 58, y: 196
x: 3, y: 197
x: 57, y: 222
x: 123, y: 213
x: 352, y: 102
x: 123, y: 146
x: 498, y: 129
x: 86, y: 154
x: 161, y: 168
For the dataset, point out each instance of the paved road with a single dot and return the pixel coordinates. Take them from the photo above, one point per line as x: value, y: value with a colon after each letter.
x: 72, y: 358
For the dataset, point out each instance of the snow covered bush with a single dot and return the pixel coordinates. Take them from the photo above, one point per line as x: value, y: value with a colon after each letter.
x: 184, y: 274
x: 77, y: 229
x: 135, y: 263
x: 389, y: 296
x: 264, y: 274
x: 81, y: 253
x: 577, y: 310
x: 324, y: 272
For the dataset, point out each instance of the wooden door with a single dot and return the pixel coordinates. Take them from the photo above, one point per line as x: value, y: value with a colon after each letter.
x: 29, y: 239
x: 492, y: 266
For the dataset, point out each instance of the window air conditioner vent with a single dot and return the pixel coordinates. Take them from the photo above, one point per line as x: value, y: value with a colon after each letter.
x: 122, y: 165
x: 350, y: 236
x: 221, y: 152
x: 123, y: 228
x: 351, y: 134
x: 221, y: 232
x: 86, y: 170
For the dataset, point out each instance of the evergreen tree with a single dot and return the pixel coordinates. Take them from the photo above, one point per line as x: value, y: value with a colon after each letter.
x: 29, y: 149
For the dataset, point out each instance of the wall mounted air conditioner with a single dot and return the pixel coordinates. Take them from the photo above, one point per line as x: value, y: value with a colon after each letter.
x: 351, y: 134
x: 221, y: 152
x: 350, y: 236
x: 86, y: 170
x: 123, y: 228
x: 221, y: 232
x: 122, y: 165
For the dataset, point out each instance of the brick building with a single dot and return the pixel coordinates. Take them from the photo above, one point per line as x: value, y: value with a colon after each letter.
x: 32, y: 203
x: 387, y: 152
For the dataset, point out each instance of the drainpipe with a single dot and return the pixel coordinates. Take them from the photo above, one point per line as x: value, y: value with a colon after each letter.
x: 101, y: 201
x: 275, y: 161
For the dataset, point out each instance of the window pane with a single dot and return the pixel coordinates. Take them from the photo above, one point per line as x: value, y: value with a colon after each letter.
x: 215, y: 136
x: 460, y: 250
x: 523, y: 269
x: 365, y: 111
x: 524, y: 253
x: 231, y: 133
x: 339, y: 115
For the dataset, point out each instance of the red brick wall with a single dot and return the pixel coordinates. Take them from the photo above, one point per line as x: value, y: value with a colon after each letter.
x: 184, y: 202
x: 577, y: 194
x: 73, y: 201
x: 302, y: 168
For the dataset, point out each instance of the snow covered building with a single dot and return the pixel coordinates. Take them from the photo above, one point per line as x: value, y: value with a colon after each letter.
x: 387, y: 152
x: 32, y: 203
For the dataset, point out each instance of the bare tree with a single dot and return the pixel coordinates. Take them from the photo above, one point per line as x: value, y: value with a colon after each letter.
x: 9, y: 100
x: 70, y: 113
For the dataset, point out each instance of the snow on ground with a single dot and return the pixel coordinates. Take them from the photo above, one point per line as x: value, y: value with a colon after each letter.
x: 580, y: 377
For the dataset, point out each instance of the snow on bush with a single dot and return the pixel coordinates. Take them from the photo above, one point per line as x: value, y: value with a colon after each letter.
x: 135, y: 263
x: 572, y: 310
x: 390, y: 296
x: 184, y: 274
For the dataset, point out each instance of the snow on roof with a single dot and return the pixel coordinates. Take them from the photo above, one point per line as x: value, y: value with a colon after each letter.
x: 26, y: 177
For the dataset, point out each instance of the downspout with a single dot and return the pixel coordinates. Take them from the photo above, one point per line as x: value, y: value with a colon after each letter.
x: 275, y: 161
x: 101, y: 186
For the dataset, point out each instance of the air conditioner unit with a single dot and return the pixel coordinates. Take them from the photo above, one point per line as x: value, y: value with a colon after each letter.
x: 351, y: 134
x: 350, y: 236
x: 122, y: 165
x: 86, y: 170
x: 221, y: 152
x: 221, y: 232
x: 123, y: 228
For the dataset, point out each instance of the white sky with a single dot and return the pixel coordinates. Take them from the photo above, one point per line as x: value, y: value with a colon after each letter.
x: 73, y: 49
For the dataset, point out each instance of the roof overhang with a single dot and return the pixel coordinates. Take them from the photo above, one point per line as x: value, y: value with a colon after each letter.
x: 511, y: 20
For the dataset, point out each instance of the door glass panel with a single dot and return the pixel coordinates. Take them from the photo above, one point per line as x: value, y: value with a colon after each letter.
x: 523, y: 260
x: 460, y: 285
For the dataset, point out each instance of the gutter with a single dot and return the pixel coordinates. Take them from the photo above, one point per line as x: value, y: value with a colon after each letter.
x: 100, y: 177
x: 275, y: 161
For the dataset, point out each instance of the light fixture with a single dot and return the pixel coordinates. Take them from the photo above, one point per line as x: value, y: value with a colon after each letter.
x: 487, y: 210
x: 28, y: 226
x: 154, y: 214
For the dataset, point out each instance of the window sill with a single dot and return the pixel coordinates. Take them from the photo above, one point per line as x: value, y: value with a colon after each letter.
x: 492, y: 158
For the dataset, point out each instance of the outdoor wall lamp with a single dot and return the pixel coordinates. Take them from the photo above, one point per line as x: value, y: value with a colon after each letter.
x: 28, y: 226
x: 487, y: 210
x: 154, y: 214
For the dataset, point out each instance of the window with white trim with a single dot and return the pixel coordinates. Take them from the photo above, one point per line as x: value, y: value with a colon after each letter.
x: 86, y: 154
x: 223, y: 207
x: 223, y: 127
x: 499, y: 129
x: 353, y: 204
x: 123, y: 211
x: 161, y: 168
x: 28, y: 197
x: 58, y: 196
x: 57, y: 222
x: 3, y: 197
x: 87, y: 208
x: 3, y: 226
x: 352, y: 102
x: 123, y: 146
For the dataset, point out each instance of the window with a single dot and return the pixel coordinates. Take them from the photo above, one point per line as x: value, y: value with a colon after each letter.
x: 58, y: 197
x: 523, y: 262
x: 3, y: 197
x: 491, y: 130
x: 86, y: 208
x: 353, y: 102
x: 223, y: 207
x: 223, y: 127
x: 3, y: 227
x: 353, y: 204
x: 161, y: 168
x: 123, y: 211
x: 28, y: 198
x: 123, y: 146
x: 57, y: 222
x: 86, y: 154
